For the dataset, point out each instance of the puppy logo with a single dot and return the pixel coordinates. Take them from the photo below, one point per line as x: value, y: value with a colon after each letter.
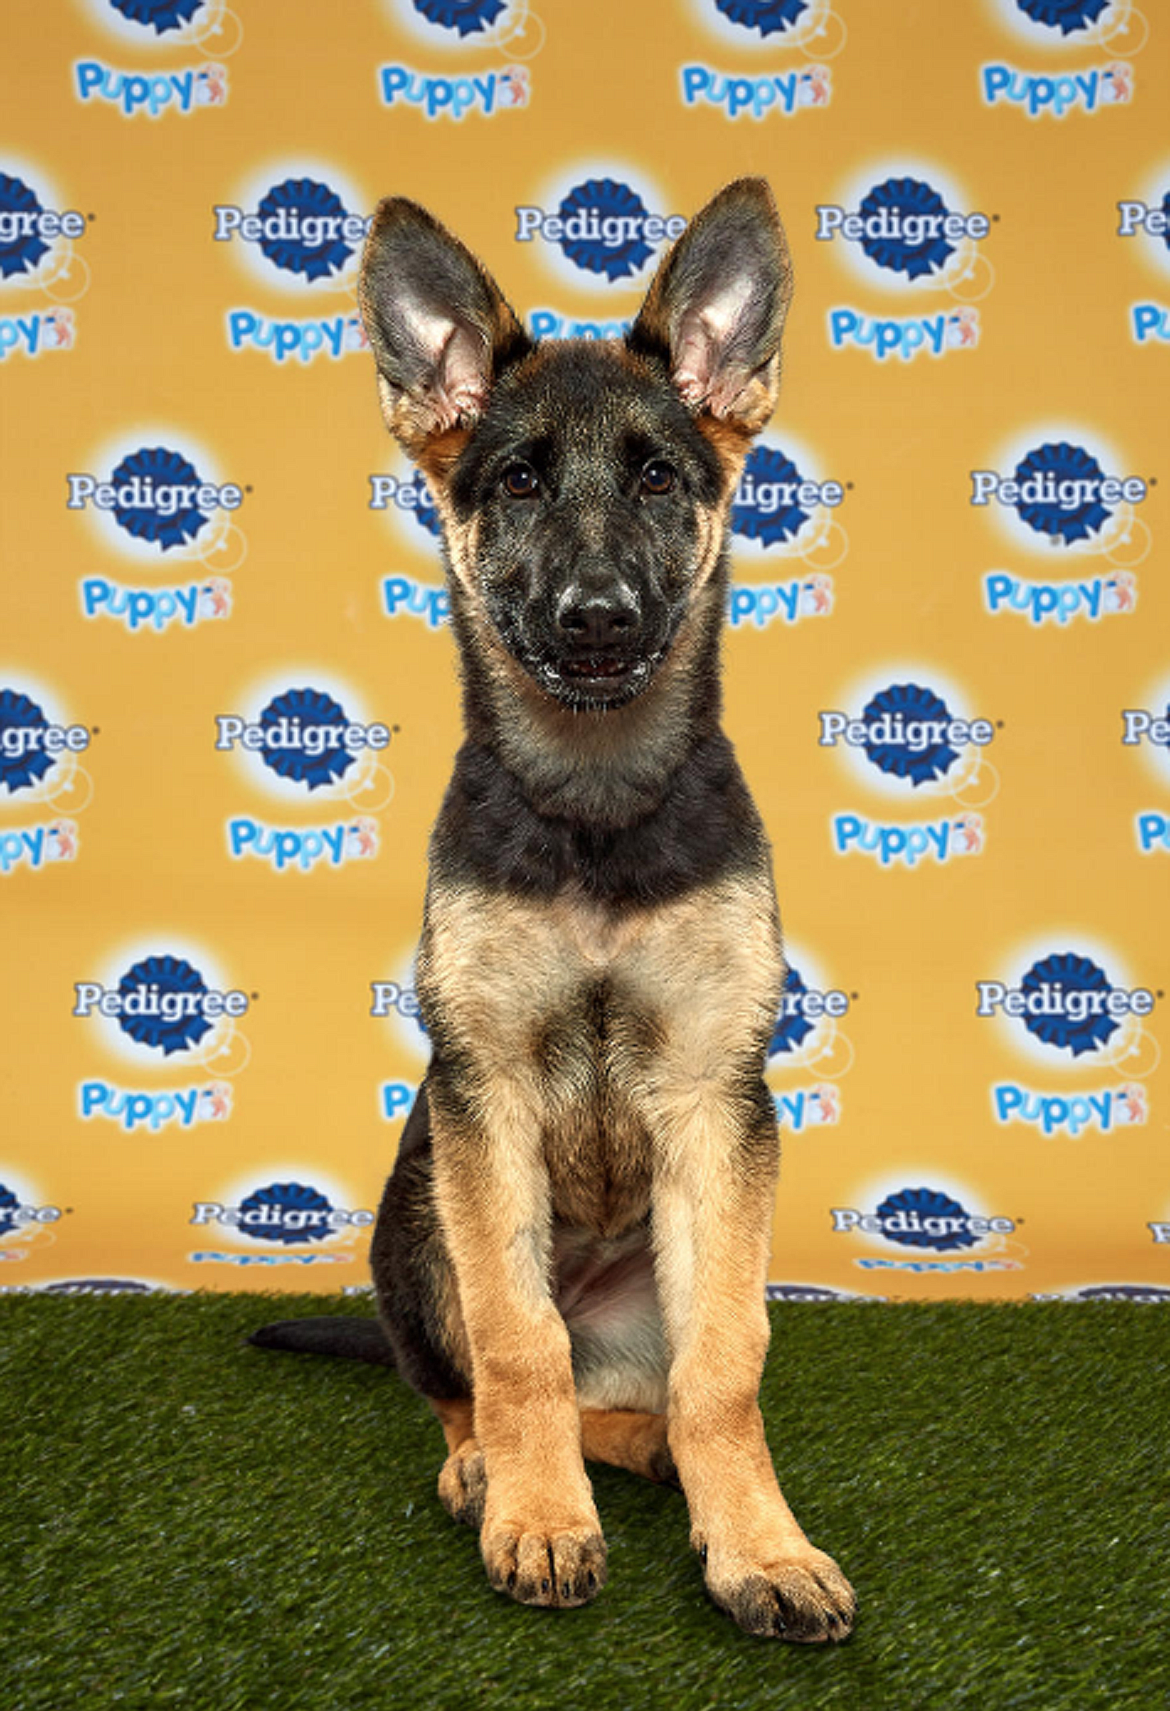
x: 825, y: 1104
x: 514, y: 85
x: 361, y: 839
x: 59, y: 329
x: 211, y: 86
x: 215, y: 598
x: 968, y: 834
x: 61, y: 841
x: 1117, y: 82
x: 215, y: 1102
x: 467, y: 17
x: 963, y: 329
x: 1134, y: 1103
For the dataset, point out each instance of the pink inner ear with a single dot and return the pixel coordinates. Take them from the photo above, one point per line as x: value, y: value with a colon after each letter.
x: 705, y: 373
x: 458, y: 386
x: 461, y: 378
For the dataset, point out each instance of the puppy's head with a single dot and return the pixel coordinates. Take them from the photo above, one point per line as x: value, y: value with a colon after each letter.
x: 583, y: 486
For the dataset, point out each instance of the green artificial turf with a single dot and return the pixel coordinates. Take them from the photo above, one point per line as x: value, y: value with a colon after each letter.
x: 187, y: 1522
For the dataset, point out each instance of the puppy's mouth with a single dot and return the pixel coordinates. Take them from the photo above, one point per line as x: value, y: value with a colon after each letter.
x: 596, y: 668
x: 601, y: 679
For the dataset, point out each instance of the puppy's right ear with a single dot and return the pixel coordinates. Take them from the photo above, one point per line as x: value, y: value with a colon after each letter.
x: 439, y: 327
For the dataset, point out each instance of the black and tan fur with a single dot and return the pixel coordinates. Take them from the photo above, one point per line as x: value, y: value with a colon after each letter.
x: 571, y: 1253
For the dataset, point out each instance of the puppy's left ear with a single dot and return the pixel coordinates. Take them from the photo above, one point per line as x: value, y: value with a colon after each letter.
x: 715, y: 310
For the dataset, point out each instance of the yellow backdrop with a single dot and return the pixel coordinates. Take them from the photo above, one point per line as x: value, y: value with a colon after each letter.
x: 227, y: 695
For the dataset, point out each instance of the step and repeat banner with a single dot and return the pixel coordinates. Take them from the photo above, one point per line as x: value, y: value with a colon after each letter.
x: 228, y: 701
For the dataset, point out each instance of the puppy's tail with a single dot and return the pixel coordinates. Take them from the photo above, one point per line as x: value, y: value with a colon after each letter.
x: 351, y: 1339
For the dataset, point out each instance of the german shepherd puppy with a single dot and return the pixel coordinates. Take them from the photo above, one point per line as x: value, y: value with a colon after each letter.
x: 571, y: 1252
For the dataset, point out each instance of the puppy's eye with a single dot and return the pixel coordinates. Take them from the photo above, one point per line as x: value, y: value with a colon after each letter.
x: 520, y: 481
x: 658, y: 476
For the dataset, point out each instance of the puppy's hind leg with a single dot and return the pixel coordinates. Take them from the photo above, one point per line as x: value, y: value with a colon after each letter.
x: 625, y: 1438
x: 462, y: 1478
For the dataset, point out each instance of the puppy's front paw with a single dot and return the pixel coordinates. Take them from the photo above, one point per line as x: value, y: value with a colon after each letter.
x: 555, y: 1565
x: 799, y: 1595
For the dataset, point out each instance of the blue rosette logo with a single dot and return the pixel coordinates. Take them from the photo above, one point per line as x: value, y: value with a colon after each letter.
x: 921, y: 1224
x: 899, y: 198
x: 144, y: 471
x: 9, y: 1206
x: 312, y: 763
x: 764, y: 510
x: 164, y: 17
x: 1075, y: 1027
x: 605, y: 199
x: 23, y: 252
x: 426, y: 513
x: 312, y: 207
x: 1067, y: 16
x: 792, y: 1025
x: 769, y: 17
x: 1046, y: 467
x: 909, y: 702
x: 466, y: 17
x: 21, y: 768
x: 286, y: 1212
x: 159, y: 1026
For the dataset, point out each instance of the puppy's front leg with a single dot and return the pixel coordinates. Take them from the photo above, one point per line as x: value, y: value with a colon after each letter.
x: 541, y: 1538
x: 712, y: 1216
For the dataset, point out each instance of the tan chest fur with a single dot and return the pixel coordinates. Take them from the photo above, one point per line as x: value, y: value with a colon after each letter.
x: 602, y: 1027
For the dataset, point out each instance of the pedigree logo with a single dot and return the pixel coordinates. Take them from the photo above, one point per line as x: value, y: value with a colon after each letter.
x: 604, y: 227
x: 301, y: 741
x: 910, y: 735
x: 906, y: 228
x: 1060, y: 490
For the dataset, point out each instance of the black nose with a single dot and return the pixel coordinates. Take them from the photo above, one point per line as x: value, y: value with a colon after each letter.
x: 598, y: 620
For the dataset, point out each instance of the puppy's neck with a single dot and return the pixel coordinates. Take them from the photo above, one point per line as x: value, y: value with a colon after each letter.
x: 599, y: 768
